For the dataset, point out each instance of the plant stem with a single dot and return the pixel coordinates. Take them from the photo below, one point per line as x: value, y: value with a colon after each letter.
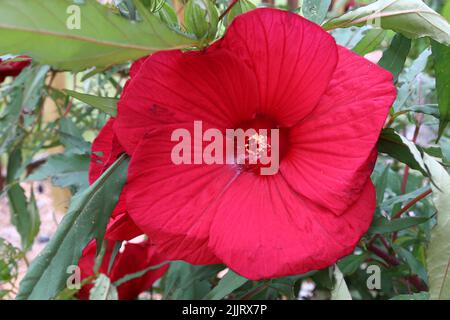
x: 407, y: 207
x: 393, y: 261
x: 232, y: 4
x: 411, y: 203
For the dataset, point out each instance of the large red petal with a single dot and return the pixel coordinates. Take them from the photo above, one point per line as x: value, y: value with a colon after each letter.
x: 172, y: 87
x: 171, y: 203
x: 121, y: 227
x: 264, y: 229
x: 293, y: 60
x: 331, y: 155
x: 134, y: 69
x: 105, y: 150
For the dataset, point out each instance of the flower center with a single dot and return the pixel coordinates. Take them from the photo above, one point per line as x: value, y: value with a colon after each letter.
x: 260, y: 145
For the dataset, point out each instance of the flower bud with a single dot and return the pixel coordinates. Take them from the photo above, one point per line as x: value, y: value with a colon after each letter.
x: 201, y: 18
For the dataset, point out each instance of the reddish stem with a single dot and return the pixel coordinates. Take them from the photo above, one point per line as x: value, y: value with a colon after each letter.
x: 383, y: 255
x: 232, y: 4
x: 382, y: 239
x: 411, y: 203
x: 69, y: 108
x: 405, y: 180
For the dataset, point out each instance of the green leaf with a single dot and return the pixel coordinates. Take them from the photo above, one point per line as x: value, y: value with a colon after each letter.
x: 408, y: 79
x: 441, y: 56
x: 86, y: 219
x: 9, y: 258
x: 72, y: 138
x: 100, y: 255
x: 66, y: 170
x: 395, y: 56
x: 381, y: 184
x: 412, y: 18
x: 391, y: 143
x: 446, y: 11
x: 24, y: 214
x: 116, y: 249
x: 34, y: 83
x: 138, y: 274
x: 107, y: 105
x: 438, y: 251
x: 387, y: 205
x: 48, y: 32
x: 230, y: 282
x: 315, y: 10
x: 383, y: 225
x: 430, y: 109
x: 340, y: 290
x: 186, y: 281
x: 240, y: 7
x: 414, y: 264
x: 370, y: 42
x: 103, y: 289
x: 350, y: 264
x: 10, y: 132
x: 34, y: 219
x: 167, y: 14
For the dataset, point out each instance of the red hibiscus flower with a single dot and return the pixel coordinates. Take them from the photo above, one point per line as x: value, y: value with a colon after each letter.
x: 12, y: 69
x: 272, y: 69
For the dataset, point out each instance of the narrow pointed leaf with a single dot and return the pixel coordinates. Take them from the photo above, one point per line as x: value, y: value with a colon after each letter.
x: 107, y: 105
x: 391, y: 143
x: 395, y: 56
x: 383, y: 225
x: 103, y: 289
x: 230, y: 282
x: 86, y: 219
x: 24, y: 212
x: 370, y: 42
